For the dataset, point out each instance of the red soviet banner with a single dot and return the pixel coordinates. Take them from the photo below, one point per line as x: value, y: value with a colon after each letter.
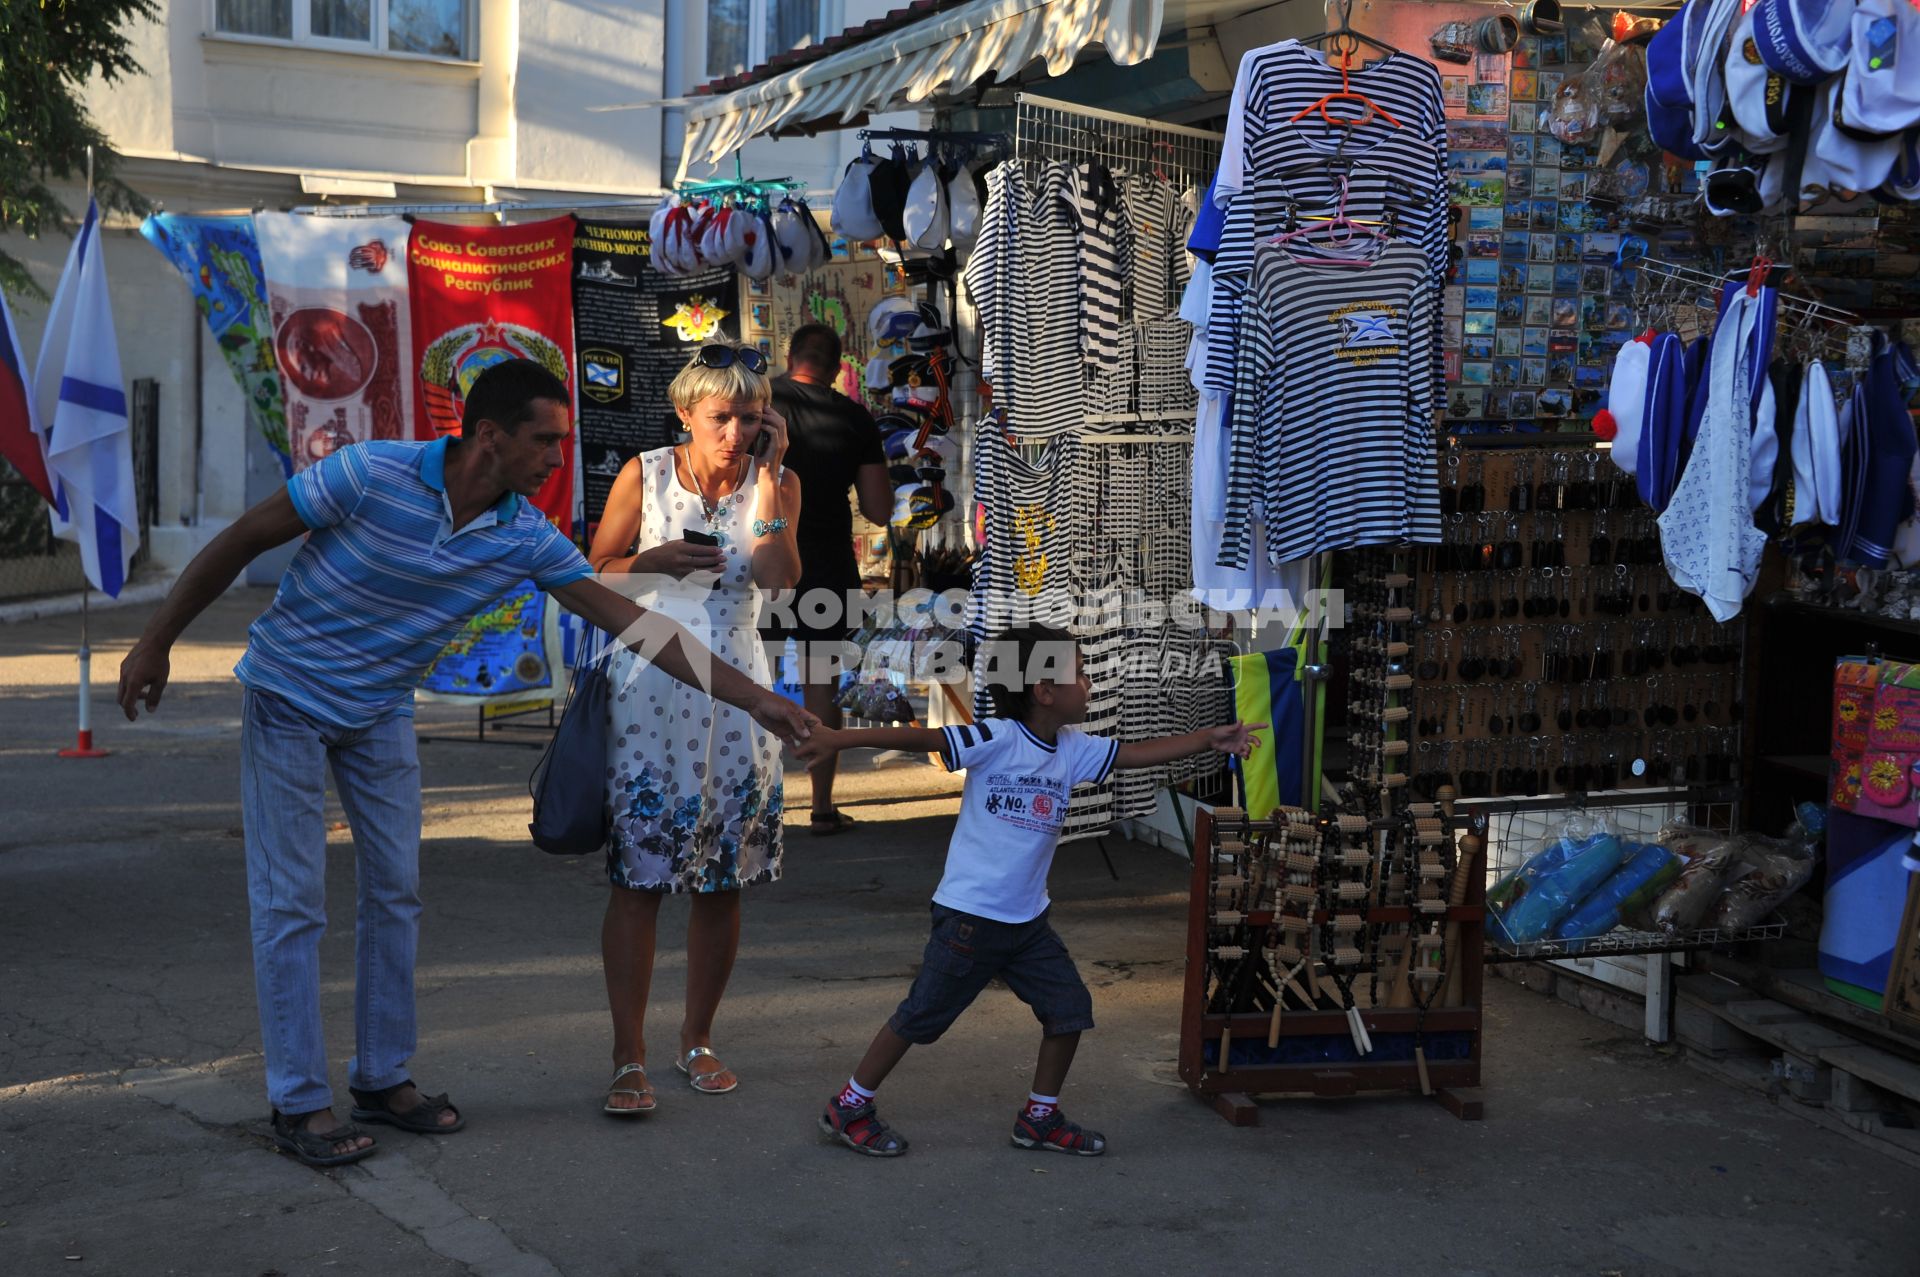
x: 481, y: 295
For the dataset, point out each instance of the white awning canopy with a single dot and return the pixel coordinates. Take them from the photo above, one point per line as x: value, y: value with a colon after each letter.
x: 902, y: 68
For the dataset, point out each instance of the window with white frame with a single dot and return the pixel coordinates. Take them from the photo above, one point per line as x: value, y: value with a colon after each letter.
x: 427, y: 28
x: 745, y: 33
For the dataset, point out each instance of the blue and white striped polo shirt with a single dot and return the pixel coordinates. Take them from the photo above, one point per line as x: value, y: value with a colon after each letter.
x: 385, y: 581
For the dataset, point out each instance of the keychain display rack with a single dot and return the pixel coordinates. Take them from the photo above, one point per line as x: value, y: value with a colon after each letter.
x: 1539, y: 661
x: 1333, y: 954
x: 1553, y: 657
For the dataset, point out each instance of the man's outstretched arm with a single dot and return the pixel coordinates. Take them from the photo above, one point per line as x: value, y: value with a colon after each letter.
x: 662, y: 641
x: 143, y: 674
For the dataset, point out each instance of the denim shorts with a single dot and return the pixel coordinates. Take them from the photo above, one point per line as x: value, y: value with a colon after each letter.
x: 965, y: 952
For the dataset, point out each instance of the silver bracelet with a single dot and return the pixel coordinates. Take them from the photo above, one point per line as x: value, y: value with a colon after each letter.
x: 765, y: 527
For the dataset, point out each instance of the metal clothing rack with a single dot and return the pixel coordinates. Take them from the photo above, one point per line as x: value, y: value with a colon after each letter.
x: 1049, y: 129
x: 1687, y: 279
x: 934, y: 135
x: 495, y: 207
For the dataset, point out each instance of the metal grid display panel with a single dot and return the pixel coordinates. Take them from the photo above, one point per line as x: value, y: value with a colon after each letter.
x: 1514, y: 833
x: 1045, y: 129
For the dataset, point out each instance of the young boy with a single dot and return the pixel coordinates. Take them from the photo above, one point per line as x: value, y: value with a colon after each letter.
x: 990, y: 910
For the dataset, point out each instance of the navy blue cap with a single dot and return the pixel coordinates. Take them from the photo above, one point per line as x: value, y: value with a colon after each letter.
x: 1668, y: 67
x: 1876, y: 462
x: 1663, y: 421
x: 1699, y: 359
x: 1671, y: 127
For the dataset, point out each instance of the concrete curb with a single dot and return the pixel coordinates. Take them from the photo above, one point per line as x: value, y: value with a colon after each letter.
x: 148, y: 590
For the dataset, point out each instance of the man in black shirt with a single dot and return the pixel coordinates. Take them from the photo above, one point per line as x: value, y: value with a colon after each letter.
x: 832, y: 445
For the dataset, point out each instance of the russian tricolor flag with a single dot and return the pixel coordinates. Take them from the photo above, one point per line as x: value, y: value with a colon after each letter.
x: 19, y: 439
x: 81, y: 409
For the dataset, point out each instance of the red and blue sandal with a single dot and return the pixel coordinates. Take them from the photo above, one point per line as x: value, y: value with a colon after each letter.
x: 1055, y: 1134
x: 861, y: 1130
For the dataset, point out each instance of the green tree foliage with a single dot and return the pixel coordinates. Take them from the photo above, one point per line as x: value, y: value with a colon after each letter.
x: 48, y: 51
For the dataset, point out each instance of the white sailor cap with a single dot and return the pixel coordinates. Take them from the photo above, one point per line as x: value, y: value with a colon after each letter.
x: 1836, y: 160
x: 1757, y: 95
x: 852, y: 213
x: 1883, y: 74
x: 1627, y: 401
x: 1711, y: 131
x: 963, y: 209
x: 925, y: 217
x: 1804, y: 40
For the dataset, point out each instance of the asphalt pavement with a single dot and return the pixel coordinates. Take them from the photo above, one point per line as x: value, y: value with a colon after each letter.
x: 132, y: 1109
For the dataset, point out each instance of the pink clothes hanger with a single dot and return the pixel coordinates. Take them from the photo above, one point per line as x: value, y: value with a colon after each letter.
x: 1343, y: 232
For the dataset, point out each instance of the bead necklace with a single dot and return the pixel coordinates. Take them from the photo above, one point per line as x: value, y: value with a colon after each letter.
x: 709, y: 508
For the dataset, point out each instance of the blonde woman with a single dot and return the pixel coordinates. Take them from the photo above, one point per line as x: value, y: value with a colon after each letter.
x: 699, y: 530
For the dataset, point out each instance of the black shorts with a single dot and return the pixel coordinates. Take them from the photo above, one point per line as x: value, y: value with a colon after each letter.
x: 965, y: 952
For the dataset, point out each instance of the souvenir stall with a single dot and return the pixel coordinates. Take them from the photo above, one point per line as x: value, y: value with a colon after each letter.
x: 1712, y: 523
x: 1496, y: 321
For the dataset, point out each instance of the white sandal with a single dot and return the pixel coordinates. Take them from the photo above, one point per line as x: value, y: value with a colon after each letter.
x: 644, y: 1094
x: 685, y: 1065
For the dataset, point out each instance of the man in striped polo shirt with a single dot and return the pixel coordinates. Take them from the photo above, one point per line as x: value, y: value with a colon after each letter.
x: 407, y: 542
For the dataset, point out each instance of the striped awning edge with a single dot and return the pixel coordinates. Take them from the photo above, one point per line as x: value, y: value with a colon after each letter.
x: 906, y: 67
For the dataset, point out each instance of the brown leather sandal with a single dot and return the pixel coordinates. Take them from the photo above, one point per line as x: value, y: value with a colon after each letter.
x: 831, y: 821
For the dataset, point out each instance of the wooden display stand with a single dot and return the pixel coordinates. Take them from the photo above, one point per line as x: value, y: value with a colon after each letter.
x: 1230, y: 1089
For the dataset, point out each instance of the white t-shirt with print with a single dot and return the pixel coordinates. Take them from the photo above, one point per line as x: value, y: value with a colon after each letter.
x: 1011, y: 813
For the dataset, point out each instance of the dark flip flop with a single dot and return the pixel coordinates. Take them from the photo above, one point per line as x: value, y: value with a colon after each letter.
x: 315, y: 1148
x: 422, y: 1119
x: 826, y: 823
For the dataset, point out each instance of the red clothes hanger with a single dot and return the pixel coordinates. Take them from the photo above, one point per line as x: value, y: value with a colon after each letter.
x: 1345, y: 41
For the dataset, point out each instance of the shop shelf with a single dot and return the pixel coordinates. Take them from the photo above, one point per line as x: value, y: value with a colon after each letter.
x: 1622, y: 943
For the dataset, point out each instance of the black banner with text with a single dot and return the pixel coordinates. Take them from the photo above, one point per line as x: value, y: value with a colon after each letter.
x: 633, y: 331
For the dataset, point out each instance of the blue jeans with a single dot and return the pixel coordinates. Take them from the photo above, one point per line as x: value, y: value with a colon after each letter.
x: 283, y: 754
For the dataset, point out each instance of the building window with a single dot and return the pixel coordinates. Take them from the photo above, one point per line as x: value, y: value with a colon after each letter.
x: 745, y: 33
x: 429, y: 28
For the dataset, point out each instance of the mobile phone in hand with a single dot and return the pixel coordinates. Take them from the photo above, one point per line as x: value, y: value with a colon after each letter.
x: 695, y: 537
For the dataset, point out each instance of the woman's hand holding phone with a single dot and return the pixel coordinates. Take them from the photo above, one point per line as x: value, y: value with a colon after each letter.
x: 696, y: 552
x: 770, y: 445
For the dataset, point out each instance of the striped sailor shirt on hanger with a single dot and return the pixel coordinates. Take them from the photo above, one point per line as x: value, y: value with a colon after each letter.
x: 1270, y: 160
x: 1151, y: 209
x: 1024, y: 278
x: 1106, y: 263
x: 1332, y: 417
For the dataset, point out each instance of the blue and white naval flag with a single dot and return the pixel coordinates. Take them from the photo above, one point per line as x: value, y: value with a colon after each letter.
x: 82, y: 415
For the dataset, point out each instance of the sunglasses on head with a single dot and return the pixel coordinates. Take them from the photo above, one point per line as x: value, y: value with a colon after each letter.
x: 727, y: 356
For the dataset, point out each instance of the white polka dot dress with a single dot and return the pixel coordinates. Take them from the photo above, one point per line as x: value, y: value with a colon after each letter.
x: 694, y: 784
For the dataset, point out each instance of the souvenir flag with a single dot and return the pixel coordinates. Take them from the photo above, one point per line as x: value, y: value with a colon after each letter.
x: 337, y: 302
x: 1266, y: 689
x: 481, y: 295
x: 81, y: 406
x: 220, y: 260
x: 19, y: 438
